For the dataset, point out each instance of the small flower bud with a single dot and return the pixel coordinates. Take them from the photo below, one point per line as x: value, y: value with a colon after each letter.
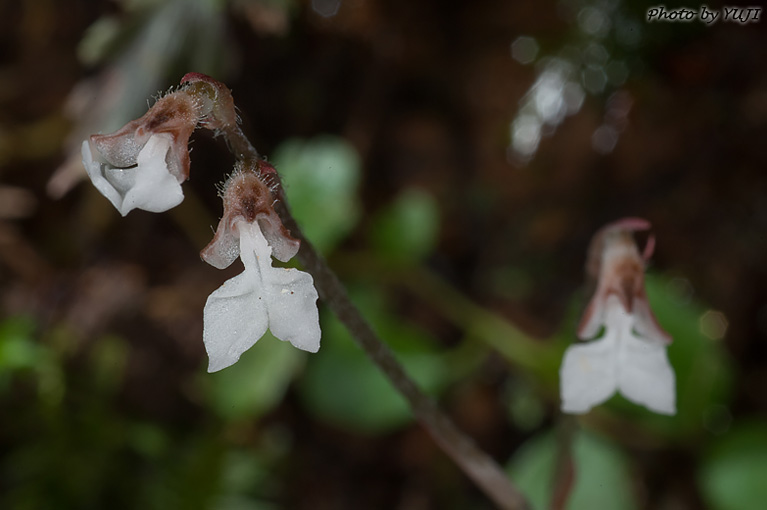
x: 222, y: 114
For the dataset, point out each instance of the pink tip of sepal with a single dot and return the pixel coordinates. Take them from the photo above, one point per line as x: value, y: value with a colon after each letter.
x: 633, y: 224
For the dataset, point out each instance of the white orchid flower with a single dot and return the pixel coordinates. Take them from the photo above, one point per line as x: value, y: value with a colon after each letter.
x: 142, y: 164
x: 239, y: 312
x: 630, y: 357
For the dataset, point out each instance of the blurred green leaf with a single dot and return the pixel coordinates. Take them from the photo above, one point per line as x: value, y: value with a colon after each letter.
x: 242, y: 472
x: 702, y: 365
x: 321, y: 177
x: 257, y: 382
x: 525, y: 407
x: 407, y: 229
x: 17, y: 346
x: 108, y: 358
x: 99, y: 40
x: 342, y: 386
x: 148, y: 439
x: 602, y: 476
x: 733, y: 473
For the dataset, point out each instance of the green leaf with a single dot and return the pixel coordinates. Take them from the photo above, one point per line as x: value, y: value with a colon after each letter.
x: 108, y: 358
x: 17, y: 346
x: 321, y: 177
x: 733, y: 474
x: 602, y: 476
x: 407, y: 229
x: 342, y: 386
x: 99, y: 40
x: 257, y: 382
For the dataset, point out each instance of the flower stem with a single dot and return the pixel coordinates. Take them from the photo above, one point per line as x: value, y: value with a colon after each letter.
x: 564, y: 472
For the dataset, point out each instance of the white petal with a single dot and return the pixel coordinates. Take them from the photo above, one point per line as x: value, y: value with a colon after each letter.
x: 96, y: 171
x: 148, y: 186
x: 290, y: 294
x: 587, y: 376
x: 155, y: 189
x: 645, y: 375
x: 224, y: 248
x: 234, y: 320
x: 292, y: 308
x: 283, y: 246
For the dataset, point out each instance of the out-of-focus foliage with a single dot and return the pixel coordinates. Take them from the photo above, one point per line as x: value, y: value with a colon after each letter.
x: 256, y: 383
x: 732, y: 473
x: 321, y: 177
x: 81, y: 451
x: 340, y: 386
x: 408, y: 228
x: 602, y: 472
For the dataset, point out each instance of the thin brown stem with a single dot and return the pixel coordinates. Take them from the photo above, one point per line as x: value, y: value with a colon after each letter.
x: 238, y: 143
x: 564, y: 472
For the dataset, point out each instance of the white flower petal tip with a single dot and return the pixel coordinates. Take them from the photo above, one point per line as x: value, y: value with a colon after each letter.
x: 621, y: 360
x: 586, y: 376
x: 224, y: 248
x: 148, y: 186
x: 234, y: 319
x: 239, y: 312
x: 292, y: 308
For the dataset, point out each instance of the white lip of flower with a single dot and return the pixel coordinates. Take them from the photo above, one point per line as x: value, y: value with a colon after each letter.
x: 630, y: 357
x: 621, y: 360
x: 239, y: 312
x: 149, y: 185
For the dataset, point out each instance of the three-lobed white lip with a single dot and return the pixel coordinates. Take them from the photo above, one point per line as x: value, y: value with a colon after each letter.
x: 262, y: 297
x: 621, y: 360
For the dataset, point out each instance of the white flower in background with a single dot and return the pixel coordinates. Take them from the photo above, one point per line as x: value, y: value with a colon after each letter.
x: 148, y: 185
x: 630, y: 357
x: 283, y: 300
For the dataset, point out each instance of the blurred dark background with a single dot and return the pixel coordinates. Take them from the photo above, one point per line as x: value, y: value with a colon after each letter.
x: 451, y: 160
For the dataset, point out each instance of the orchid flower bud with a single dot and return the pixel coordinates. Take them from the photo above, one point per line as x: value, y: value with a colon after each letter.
x: 222, y: 113
x: 142, y: 165
x: 283, y: 300
x: 630, y: 356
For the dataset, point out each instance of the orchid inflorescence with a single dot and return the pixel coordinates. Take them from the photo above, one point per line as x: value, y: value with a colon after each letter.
x: 142, y: 166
